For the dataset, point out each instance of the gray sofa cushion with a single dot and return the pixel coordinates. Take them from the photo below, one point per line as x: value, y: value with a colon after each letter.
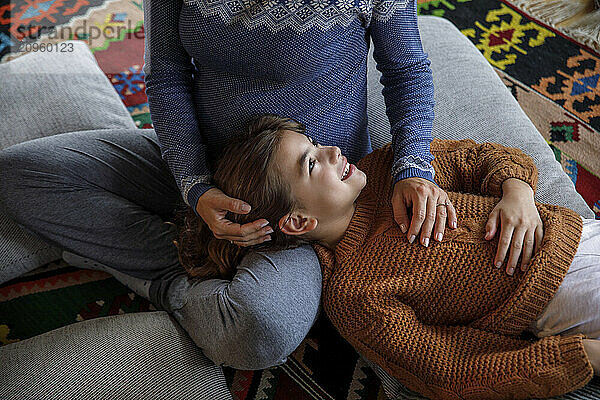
x: 132, y: 356
x: 43, y: 94
x: 471, y: 102
x: 46, y: 93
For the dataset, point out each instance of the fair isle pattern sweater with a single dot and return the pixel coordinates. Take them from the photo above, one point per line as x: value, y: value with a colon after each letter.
x: 211, y: 65
x: 443, y: 320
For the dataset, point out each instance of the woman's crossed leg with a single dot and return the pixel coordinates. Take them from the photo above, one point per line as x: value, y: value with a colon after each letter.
x: 106, y: 194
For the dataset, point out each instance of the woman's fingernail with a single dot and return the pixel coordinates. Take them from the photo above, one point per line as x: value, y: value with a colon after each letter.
x: 498, y: 264
x: 412, y: 238
x: 511, y: 271
x: 403, y: 228
x: 246, y: 208
x: 426, y: 242
x: 268, y: 238
x: 264, y: 224
x: 270, y: 230
x: 439, y: 237
x: 454, y: 224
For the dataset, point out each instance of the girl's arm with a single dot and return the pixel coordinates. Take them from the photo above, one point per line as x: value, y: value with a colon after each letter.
x: 459, y: 362
x: 480, y: 168
x: 168, y: 73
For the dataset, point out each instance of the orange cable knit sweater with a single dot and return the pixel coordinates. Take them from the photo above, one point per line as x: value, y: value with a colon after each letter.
x: 443, y: 320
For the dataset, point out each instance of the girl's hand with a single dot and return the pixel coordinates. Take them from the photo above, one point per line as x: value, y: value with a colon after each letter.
x: 520, y: 223
x: 213, y: 205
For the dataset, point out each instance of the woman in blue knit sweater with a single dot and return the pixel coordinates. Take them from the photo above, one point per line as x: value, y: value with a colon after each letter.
x: 210, y: 65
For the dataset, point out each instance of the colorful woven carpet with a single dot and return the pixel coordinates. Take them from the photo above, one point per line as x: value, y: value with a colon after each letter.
x: 554, y: 78
x: 578, y: 19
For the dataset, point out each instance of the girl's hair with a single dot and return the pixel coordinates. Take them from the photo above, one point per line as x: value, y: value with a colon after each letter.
x: 246, y: 170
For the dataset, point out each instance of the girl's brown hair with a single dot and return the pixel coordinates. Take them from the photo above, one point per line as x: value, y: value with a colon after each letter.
x: 246, y: 170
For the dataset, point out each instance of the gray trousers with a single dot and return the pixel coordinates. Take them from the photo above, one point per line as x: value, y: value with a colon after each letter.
x: 105, y: 195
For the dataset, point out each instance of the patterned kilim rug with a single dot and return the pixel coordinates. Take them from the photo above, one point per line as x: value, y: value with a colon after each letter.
x: 554, y: 78
x: 579, y: 19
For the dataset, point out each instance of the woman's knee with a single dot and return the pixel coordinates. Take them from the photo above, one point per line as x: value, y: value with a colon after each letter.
x: 263, y: 343
x: 26, y: 176
x: 259, y: 318
x: 281, y: 307
x: 272, y: 338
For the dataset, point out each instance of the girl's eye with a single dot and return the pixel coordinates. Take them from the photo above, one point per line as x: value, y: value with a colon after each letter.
x: 311, y: 164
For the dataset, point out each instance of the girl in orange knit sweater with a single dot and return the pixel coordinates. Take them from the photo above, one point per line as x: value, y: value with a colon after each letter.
x: 443, y: 320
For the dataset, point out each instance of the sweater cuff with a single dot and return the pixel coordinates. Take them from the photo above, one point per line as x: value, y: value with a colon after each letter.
x: 414, y: 173
x: 492, y: 185
x: 578, y: 367
x: 194, y: 194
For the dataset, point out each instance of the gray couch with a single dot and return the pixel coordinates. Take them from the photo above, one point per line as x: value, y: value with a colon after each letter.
x: 471, y: 102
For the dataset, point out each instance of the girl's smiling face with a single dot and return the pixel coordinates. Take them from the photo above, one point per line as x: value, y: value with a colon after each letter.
x: 320, y: 177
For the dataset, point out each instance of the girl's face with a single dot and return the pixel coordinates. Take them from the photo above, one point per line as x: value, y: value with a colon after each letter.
x: 315, y: 175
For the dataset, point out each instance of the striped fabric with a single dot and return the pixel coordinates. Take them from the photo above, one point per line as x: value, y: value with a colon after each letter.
x: 132, y: 356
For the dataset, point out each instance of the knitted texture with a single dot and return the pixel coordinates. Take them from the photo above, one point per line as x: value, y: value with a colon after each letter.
x: 442, y: 319
x: 211, y: 65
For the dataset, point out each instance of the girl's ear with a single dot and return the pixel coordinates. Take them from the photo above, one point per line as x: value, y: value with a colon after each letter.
x: 296, y: 224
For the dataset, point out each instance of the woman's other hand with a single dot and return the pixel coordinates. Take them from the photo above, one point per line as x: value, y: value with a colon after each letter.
x: 213, y: 205
x: 423, y: 196
x: 592, y: 349
x: 520, y: 225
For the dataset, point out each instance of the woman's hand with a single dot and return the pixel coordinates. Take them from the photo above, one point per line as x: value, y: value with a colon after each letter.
x: 592, y: 349
x: 423, y: 196
x: 520, y: 223
x: 212, y: 207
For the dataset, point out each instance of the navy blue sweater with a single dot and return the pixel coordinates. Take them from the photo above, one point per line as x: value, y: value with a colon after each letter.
x: 211, y: 65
